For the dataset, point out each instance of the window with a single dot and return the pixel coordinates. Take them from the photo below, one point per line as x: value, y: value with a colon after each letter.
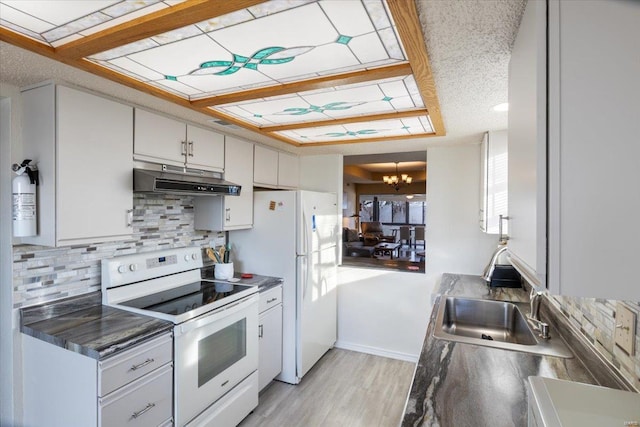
x: 393, y: 209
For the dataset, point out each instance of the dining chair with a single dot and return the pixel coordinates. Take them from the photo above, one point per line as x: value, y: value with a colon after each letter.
x: 419, y: 235
x: 405, y: 234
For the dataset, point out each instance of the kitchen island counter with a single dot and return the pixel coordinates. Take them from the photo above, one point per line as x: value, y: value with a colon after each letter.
x: 83, y: 325
x: 457, y: 384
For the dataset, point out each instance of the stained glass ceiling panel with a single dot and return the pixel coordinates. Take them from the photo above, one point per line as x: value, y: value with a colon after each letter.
x: 61, y: 21
x: 382, y: 96
x: 269, y: 44
x: 412, y: 126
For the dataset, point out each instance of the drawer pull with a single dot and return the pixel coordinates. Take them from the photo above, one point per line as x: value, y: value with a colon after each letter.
x: 141, y: 365
x: 269, y: 301
x: 142, y: 411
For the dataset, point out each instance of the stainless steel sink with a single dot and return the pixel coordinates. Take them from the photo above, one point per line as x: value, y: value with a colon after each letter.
x: 496, y: 324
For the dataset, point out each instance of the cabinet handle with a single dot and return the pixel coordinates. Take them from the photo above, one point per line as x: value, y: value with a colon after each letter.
x: 260, y: 331
x: 190, y: 148
x: 271, y: 300
x: 142, y: 411
x: 129, y: 219
x: 183, y: 148
x: 228, y: 216
x: 141, y: 365
x: 503, y: 237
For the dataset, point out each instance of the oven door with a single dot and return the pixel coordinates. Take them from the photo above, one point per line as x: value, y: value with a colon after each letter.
x: 213, y: 353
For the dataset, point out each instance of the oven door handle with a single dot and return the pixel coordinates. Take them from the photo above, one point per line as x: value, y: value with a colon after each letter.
x: 214, y: 316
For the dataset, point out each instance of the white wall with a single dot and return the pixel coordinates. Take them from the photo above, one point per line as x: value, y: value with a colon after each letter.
x: 387, y: 312
x: 382, y: 312
x: 455, y: 243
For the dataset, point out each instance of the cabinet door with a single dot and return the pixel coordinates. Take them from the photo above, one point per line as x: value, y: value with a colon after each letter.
x: 288, y: 170
x: 239, y: 170
x: 265, y: 167
x: 527, y: 145
x: 205, y: 149
x: 270, y: 345
x: 593, y: 157
x: 159, y: 139
x: 94, y: 187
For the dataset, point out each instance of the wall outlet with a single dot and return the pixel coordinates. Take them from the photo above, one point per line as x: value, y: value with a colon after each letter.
x: 625, y: 335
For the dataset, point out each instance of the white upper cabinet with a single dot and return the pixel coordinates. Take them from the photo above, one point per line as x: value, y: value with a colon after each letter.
x: 224, y: 213
x: 493, y: 192
x: 275, y: 169
x: 205, y: 149
x: 288, y: 171
x: 594, y: 126
x: 591, y: 150
x: 527, y: 145
x: 161, y: 139
x: 82, y: 145
x: 265, y: 167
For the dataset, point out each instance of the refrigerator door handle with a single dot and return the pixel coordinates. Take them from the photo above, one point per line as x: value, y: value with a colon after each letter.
x: 305, y: 277
x: 305, y: 233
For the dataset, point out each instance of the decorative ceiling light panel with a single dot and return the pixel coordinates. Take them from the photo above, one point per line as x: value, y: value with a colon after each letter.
x: 388, y: 95
x: 253, y: 48
x: 305, y: 72
x: 353, y: 132
x: 61, y: 21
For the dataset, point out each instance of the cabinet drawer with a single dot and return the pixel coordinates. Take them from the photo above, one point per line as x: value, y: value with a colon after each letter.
x: 134, y: 363
x: 146, y: 402
x: 270, y: 298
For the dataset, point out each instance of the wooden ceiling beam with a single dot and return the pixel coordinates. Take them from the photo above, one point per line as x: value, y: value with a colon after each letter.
x: 347, y: 120
x: 167, y: 19
x: 405, y: 16
x: 352, y: 77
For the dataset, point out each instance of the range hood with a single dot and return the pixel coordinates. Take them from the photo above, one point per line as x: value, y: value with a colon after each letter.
x: 153, y: 181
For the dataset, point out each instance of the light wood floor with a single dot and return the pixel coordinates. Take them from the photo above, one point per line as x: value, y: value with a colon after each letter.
x: 345, y: 389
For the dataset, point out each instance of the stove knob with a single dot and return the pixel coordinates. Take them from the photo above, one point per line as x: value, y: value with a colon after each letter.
x: 194, y: 256
x: 122, y: 268
x: 187, y: 258
x: 133, y: 267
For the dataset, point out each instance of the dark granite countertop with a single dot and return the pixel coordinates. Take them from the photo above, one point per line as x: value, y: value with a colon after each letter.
x: 264, y: 283
x: 83, y: 325
x: 458, y: 385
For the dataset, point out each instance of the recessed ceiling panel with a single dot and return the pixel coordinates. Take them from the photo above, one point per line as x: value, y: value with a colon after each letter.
x: 57, y: 22
x: 269, y: 44
x: 412, y: 126
x: 381, y: 96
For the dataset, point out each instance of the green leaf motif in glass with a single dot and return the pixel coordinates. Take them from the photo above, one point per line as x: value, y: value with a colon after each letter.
x: 268, y: 56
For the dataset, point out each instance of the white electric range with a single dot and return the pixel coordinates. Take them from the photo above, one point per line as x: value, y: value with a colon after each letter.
x: 215, y: 332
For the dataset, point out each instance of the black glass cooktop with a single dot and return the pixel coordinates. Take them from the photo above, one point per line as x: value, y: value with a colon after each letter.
x: 185, y: 298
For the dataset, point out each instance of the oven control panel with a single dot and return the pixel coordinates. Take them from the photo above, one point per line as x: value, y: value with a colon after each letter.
x: 162, y: 260
x: 133, y: 268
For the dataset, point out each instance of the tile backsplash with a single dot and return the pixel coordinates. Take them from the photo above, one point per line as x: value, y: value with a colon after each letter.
x: 43, y: 274
x: 596, y: 319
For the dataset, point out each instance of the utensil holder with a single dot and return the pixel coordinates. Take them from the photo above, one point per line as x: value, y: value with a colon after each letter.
x: 223, y: 271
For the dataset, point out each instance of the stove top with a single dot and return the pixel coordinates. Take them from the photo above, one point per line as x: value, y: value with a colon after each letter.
x: 166, y: 284
x: 180, y: 300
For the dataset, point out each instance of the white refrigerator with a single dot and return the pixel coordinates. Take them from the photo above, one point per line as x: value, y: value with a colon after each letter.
x: 295, y: 236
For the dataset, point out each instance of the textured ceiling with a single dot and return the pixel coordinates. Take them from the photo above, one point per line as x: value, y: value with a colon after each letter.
x: 469, y: 44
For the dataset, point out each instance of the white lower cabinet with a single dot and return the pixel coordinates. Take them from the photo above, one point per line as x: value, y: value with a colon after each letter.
x: 65, y: 388
x: 270, y: 333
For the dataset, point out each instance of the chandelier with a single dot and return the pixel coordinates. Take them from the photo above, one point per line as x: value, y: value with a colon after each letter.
x: 396, y: 182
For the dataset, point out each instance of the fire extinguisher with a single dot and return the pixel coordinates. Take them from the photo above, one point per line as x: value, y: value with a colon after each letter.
x: 24, y: 199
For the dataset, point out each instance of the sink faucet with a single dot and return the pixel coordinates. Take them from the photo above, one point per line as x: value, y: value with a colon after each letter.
x: 534, y: 315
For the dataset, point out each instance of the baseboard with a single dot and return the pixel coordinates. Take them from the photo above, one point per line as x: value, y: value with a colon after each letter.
x: 377, y: 351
